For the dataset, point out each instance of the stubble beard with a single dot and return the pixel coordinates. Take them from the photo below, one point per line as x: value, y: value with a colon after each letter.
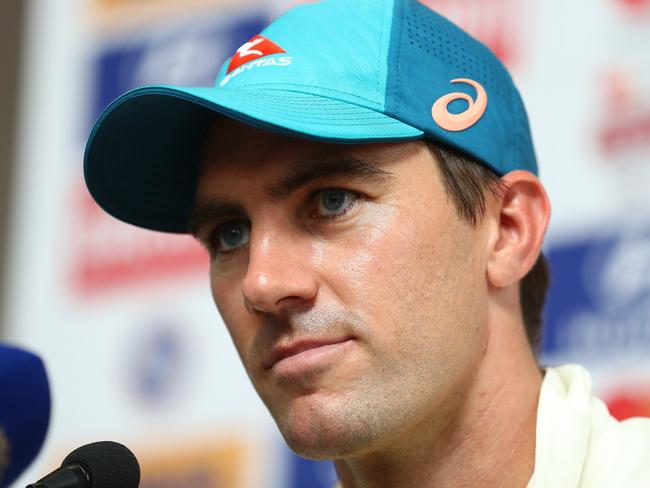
x: 374, y: 411
x: 369, y: 415
x: 324, y: 424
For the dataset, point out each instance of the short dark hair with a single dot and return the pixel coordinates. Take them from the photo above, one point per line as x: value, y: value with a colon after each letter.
x: 466, y: 182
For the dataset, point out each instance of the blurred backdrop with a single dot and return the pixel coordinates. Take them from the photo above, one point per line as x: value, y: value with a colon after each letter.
x: 123, y: 317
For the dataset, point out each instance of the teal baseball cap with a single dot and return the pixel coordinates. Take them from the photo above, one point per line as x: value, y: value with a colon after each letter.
x: 338, y: 71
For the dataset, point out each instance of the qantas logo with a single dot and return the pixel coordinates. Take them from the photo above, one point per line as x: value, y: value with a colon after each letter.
x: 255, y: 54
x: 257, y: 47
x: 463, y: 120
x: 247, y: 49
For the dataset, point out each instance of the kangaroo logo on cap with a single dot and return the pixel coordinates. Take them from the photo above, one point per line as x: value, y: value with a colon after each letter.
x: 463, y: 120
x: 257, y: 47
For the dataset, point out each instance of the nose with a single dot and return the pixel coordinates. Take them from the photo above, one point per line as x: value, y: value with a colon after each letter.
x: 279, y: 274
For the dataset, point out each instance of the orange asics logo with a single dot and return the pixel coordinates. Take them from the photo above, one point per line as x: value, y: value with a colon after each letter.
x: 463, y: 120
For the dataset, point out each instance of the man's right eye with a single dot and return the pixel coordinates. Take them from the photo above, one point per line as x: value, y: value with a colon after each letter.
x: 231, y: 236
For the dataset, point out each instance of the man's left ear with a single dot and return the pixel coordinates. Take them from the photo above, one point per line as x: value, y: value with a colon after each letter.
x: 522, y: 214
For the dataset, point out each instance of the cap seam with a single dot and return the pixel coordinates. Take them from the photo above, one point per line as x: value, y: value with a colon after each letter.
x: 381, y: 45
x: 400, y: 14
x: 373, y: 105
x: 515, y: 112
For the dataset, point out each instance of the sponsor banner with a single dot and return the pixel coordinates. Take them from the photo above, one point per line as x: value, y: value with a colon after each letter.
x: 627, y: 393
x: 159, y: 363
x: 623, y: 131
x: 599, y: 304
x: 598, y: 314
x: 219, y: 463
x: 590, y: 117
x: 110, y: 255
x: 278, y: 7
x: 126, y: 15
x: 112, y: 5
x: 634, y: 8
x: 108, y: 5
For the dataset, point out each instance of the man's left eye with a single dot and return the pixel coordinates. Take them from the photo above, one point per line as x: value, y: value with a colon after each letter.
x: 333, y: 202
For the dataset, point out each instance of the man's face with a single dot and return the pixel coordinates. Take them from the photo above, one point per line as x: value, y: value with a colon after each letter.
x: 354, y: 294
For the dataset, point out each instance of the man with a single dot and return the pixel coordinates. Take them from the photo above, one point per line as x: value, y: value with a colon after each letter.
x: 363, y: 177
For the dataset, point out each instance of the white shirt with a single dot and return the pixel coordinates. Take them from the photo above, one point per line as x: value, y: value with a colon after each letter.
x: 579, y: 444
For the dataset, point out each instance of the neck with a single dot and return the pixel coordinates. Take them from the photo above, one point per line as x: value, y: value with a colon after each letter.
x: 487, y: 438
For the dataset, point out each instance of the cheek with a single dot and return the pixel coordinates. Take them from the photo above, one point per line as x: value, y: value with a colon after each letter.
x: 356, y: 265
x: 229, y: 301
x: 443, y: 299
x: 393, y: 255
x: 415, y: 278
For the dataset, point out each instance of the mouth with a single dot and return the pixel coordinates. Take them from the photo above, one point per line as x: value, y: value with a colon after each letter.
x: 304, y: 351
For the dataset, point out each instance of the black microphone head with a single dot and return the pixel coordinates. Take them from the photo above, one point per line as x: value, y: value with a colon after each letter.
x: 110, y: 464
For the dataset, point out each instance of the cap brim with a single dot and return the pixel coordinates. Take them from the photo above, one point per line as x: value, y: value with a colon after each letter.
x: 141, y: 159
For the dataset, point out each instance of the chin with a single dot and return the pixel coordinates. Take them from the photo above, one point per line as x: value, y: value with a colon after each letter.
x: 324, y: 446
x: 323, y: 434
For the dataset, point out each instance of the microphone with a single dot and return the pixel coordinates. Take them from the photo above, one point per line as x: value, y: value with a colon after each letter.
x: 24, y: 411
x: 104, y: 464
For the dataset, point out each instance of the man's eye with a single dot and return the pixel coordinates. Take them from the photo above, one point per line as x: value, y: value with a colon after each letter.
x: 232, y: 235
x: 334, y: 202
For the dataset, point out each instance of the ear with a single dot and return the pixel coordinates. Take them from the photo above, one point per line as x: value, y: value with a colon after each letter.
x: 522, y: 214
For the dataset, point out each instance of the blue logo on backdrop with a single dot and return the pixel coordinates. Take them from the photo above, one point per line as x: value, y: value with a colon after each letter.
x: 599, y: 302
x: 158, y: 368
x: 188, y: 55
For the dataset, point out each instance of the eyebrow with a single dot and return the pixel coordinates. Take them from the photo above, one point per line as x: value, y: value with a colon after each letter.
x: 209, y: 211
x: 327, y: 168
x: 217, y: 208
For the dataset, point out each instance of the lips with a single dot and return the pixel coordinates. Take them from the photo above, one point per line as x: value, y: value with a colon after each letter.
x: 283, y: 351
